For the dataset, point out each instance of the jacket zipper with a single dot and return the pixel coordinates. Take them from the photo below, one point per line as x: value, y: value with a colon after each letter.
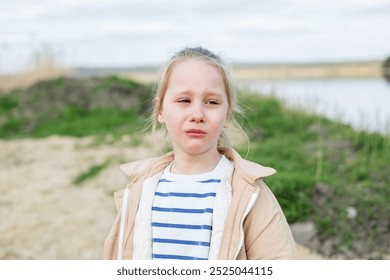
x: 249, y: 207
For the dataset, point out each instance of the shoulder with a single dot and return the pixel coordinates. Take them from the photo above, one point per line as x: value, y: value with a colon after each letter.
x: 146, y: 167
x: 130, y: 168
x: 249, y: 170
x: 267, y: 230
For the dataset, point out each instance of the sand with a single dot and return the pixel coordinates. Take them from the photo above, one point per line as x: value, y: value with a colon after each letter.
x: 44, y: 215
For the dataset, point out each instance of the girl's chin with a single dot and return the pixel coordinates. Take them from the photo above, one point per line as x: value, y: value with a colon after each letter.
x: 198, y: 149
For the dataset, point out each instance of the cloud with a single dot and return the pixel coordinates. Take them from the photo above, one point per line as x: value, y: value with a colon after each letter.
x: 133, y: 27
x: 102, y: 31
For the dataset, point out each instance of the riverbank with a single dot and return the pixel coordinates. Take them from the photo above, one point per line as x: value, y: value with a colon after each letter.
x: 294, y: 71
x: 362, y: 103
x: 257, y: 71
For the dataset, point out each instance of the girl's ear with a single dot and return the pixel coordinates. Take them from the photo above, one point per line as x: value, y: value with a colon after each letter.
x: 160, y: 118
x: 226, y: 123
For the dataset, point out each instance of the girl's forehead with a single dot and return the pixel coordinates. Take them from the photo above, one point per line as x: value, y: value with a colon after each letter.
x: 196, y: 69
x: 194, y: 64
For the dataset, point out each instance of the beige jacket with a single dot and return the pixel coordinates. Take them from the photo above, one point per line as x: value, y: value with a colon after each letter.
x: 248, y: 222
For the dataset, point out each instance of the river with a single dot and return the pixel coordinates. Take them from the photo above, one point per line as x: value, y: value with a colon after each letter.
x: 363, y: 103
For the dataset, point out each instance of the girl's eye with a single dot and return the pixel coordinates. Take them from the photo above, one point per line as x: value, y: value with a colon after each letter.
x: 212, y: 102
x: 184, y: 100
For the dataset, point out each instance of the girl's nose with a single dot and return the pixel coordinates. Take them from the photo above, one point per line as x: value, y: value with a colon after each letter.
x: 197, y: 114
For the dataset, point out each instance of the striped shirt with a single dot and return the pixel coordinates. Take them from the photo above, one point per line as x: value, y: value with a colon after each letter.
x: 182, y: 213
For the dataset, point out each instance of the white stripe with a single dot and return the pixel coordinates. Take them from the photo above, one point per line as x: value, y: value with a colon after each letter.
x: 188, y: 187
x: 184, y: 203
x: 186, y: 234
x: 180, y: 218
x: 180, y: 249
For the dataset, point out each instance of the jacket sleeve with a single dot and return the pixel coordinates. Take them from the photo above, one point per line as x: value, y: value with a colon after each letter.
x: 267, y: 233
x: 110, y: 248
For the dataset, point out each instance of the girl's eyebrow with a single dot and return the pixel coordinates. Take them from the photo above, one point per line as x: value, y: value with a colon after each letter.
x: 206, y: 93
x: 218, y: 94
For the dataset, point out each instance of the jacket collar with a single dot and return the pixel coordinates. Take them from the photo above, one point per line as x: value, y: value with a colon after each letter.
x: 248, y: 170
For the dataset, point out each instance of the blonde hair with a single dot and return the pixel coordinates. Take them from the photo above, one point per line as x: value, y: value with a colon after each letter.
x: 214, y: 60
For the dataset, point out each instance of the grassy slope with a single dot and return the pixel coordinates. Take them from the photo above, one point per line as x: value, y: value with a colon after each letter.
x: 74, y: 107
x: 326, y: 170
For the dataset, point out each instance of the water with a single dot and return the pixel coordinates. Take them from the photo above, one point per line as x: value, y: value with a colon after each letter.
x: 363, y: 103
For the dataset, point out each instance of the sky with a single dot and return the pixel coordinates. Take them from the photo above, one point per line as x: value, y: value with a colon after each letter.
x: 128, y: 33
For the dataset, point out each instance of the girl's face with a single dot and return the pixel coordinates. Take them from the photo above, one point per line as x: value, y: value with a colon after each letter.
x: 195, y: 107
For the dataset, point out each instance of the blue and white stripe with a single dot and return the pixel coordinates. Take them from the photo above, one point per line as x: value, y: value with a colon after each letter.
x: 182, y: 213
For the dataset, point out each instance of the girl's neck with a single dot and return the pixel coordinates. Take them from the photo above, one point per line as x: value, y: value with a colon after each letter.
x: 195, y: 164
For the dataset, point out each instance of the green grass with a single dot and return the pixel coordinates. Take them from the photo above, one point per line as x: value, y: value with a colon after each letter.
x: 7, y: 103
x: 116, y: 82
x: 92, y: 172
x: 75, y: 107
x: 79, y: 122
x: 74, y: 121
x: 277, y: 136
x: 310, y: 150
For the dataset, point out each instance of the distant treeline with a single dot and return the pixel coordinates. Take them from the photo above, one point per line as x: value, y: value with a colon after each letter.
x: 257, y: 71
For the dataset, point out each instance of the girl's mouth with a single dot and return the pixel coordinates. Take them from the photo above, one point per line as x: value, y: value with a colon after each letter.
x: 195, y: 132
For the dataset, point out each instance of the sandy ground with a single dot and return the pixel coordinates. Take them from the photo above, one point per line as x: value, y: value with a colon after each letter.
x: 44, y: 215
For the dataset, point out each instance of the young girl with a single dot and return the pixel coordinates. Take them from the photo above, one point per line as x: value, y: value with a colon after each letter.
x: 202, y: 200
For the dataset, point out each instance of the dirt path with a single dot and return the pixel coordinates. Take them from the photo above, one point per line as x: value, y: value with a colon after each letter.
x: 44, y: 215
